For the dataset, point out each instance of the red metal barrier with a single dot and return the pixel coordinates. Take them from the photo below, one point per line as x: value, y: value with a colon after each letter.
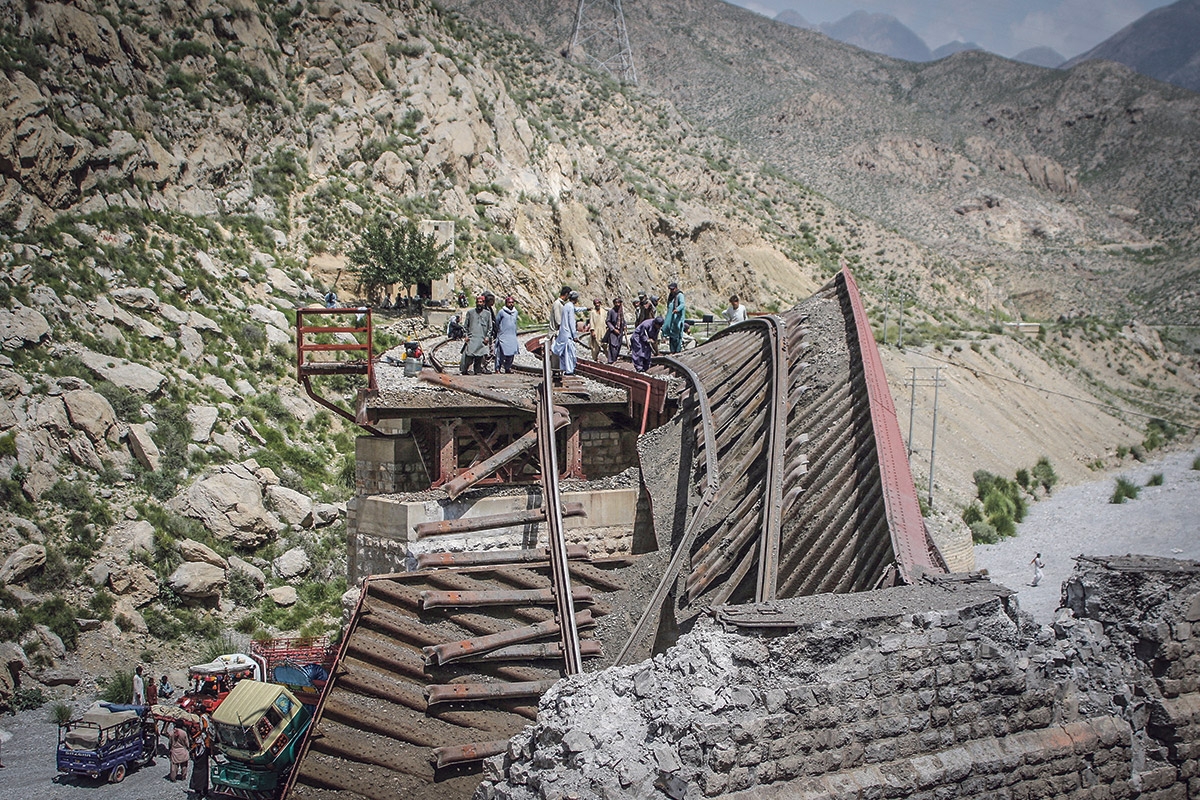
x: 307, y: 368
x: 903, y: 510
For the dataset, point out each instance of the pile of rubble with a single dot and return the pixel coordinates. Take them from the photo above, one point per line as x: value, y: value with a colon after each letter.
x: 943, y: 689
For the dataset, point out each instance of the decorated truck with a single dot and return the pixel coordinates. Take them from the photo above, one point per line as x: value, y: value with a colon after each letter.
x: 210, y: 683
x: 257, y: 734
x: 301, y: 664
x: 106, y: 742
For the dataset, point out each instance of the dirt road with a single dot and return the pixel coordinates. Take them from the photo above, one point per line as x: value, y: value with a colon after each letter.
x: 29, y: 772
x: 1163, y: 521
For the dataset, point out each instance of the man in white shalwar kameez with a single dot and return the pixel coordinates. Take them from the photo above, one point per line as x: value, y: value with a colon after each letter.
x: 564, y: 343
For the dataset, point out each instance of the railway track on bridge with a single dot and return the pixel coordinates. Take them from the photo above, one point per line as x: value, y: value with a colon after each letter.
x: 792, y: 480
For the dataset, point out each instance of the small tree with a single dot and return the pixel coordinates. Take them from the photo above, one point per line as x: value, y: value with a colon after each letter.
x: 391, y: 252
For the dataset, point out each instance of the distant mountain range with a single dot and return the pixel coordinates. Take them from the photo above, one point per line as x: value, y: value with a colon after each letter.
x: 1164, y: 44
x: 883, y: 33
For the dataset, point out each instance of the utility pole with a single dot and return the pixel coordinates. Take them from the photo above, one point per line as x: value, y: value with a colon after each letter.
x: 900, y: 340
x: 600, y: 39
x: 936, y: 381
x: 886, y: 294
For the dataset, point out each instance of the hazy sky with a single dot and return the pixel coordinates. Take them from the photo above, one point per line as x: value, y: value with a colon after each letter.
x: 1002, y: 26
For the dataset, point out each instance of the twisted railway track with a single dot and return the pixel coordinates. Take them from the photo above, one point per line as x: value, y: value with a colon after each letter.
x: 792, y: 480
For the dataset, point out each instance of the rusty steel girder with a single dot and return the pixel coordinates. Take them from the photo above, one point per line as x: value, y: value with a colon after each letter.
x: 431, y: 598
x: 442, y: 654
x: 490, y: 557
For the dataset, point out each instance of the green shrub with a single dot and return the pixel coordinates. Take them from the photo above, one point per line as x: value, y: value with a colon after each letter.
x: 1043, y: 473
x: 61, y: 713
x: 1122, y: 451
x: 1158, y: 433
x: 1023, y: 478
x: 1125, y: 490
x: 147, y: 656
x: 8, y: 444
x: 1155, y: 480
x: 55, y: 574
x: 101, y: 604
x: 59, y: 616
x: 117, y: 688
x: 162, y: 625
x: 125, y: 403
x: 1196, y: 462
x: 982, y: 532
x: 218, y: 646
x: 123, y: 623
x: 26, y: 699
x: 242, y: 589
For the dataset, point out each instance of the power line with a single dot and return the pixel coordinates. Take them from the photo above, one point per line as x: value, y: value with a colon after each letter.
x: 1085, y: 400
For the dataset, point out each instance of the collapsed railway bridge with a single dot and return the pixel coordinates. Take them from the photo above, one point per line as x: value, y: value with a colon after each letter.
x: 764, y: 464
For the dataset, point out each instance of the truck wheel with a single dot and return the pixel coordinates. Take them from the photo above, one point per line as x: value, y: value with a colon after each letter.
x: 117, y: 774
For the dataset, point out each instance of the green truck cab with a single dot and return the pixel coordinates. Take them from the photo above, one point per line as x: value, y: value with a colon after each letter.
x: 257, y: 733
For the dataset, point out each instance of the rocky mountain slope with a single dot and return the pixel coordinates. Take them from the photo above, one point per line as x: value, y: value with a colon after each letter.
x: 177, y: 178
x: 1164, y: 44
x: 1039, y: 179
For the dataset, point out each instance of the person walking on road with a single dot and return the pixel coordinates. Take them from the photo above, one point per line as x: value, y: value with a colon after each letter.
x: 1038, y: 565
x: 178, y: 752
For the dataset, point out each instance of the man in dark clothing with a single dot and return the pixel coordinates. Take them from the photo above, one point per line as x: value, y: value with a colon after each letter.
x: 614, y: 329
x: 478, y: 326
x: 490, y: 363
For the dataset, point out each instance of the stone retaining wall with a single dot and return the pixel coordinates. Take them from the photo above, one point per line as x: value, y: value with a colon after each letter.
x: 941, y: 690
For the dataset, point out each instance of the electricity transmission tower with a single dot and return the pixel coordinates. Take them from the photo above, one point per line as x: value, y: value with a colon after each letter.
x: 601, y: 40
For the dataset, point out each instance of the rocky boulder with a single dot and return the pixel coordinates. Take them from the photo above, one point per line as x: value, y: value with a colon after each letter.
x: 91, y: 413
x: 22, y: 326
x: 12, y: 663
x: 22, y: 563
x: 292, y: 507
x: 284, y: 596
x: 135, y: 583
x: 325, y: 514
x: 191, y: 550
x: 291, y: 564
x: 195, y: 579
x: 230, y: 504
x: 202, y: 419
x: 126, y: 374
x: 143, y: 447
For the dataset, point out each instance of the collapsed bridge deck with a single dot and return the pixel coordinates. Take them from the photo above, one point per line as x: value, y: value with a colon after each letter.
x: 781, y: 473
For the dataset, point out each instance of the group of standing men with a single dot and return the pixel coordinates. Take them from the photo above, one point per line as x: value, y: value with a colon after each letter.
x: 491, y: 336
x: 609, y: 327
x: 491, y: 333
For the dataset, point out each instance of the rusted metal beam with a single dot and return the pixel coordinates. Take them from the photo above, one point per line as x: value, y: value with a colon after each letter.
x: 441, y: 654
x: 768, y: 543
x: 467, y: 387
x: 477, y: 472
x: 492, y: 521
x: 549, y: 651
x: 473, y: 692
x: 488, y: 557
x: 443, y: 757
x: 559, y: 568
x: 499, y: 597
x: 905, y: 524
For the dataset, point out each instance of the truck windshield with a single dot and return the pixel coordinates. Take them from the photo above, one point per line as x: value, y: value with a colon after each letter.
x: 237, y: 737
